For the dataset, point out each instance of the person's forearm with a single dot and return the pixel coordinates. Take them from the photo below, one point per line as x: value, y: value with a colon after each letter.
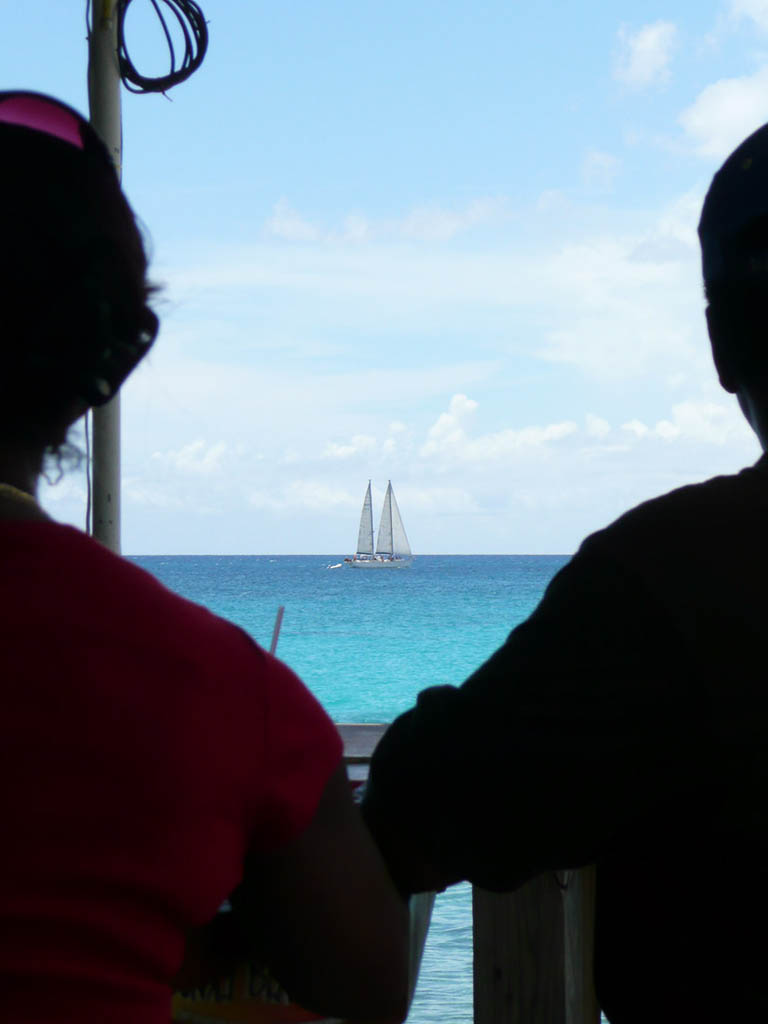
x: 332, y: 927
x: 405, y: 798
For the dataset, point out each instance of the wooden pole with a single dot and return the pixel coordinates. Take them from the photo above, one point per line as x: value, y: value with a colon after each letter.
x: 579, y: 921
x: 519, y: 954
x: 533, y: 949
x: 105, y: 111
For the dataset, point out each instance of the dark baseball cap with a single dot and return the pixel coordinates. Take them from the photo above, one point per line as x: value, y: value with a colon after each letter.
x: 737, y: 199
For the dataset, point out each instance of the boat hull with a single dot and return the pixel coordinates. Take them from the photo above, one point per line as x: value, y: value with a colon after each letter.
x: 374, y: 563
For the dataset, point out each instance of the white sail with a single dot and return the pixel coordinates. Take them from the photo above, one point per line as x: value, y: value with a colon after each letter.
x: 365, y: 534
x: 400, y: 546
x: 384, y: 540
x: 392, y: 541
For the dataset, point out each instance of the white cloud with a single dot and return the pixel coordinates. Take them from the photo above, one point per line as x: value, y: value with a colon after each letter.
x: 316, y: 495
x: 599, y: 170
x: 286, y: 223
x: 432, y: 223
x: 707, y: 423
x: 302, y: 495
x: 198, y: 458
x: 644, y: 55
x: 142, y: 492
x: 755, y: 10
x: 636, y: 427
x: 615, y: 334
x: 668, y: 431
x: 725, y: 113
x: 554, y: 201
x: 439, y: 500
x: 356, y: 228
x: 674, y: 237
x: 596, y: 426
x: 448, y: 437
x: 633, y: 300
x: 359, y: 445
x: 436, y: 224
x: 70, y: 488
x: 448, y: 430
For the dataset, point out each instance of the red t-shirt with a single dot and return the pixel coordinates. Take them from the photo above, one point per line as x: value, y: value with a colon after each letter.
x: 145, y: 744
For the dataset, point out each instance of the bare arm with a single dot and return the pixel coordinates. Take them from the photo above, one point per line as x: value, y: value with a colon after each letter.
x: 326, y: 917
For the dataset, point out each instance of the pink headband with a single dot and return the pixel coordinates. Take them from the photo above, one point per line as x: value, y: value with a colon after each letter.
x: 42, y: 114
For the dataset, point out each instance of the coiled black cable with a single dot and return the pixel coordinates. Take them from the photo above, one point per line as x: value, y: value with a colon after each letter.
x: 194, y: 29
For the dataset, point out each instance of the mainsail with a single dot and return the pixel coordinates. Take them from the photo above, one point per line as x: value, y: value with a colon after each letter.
x: 365, y: 536
x: 392, y: 541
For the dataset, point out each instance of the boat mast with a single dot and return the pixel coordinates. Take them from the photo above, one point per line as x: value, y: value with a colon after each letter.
x: 105, y: 111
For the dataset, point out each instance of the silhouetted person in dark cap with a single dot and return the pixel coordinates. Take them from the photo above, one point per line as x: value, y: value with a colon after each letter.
x: 626, y: 722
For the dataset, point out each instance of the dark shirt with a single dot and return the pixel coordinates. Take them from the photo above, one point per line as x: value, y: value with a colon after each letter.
x: 624, y: 723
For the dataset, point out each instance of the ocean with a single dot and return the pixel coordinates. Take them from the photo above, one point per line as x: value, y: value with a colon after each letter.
x: 365, y: 643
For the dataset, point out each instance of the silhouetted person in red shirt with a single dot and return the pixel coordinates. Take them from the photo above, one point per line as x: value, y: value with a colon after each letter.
x: 153, y: 760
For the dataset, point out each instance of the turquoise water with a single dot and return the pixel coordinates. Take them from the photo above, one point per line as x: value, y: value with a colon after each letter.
x: 365, y: 642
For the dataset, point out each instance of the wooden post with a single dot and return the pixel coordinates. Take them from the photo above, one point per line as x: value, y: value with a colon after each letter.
x: 579, y: 921
x: 104, y: 101
x: 534, y: 952
x: 519, y: 956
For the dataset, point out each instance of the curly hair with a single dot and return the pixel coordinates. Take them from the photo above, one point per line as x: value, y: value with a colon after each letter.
x: 74, y: 296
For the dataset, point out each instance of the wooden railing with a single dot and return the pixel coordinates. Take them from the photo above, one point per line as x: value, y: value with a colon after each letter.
x: 533, y: 948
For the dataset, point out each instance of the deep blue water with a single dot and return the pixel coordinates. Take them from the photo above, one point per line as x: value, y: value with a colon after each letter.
x: 365, y: 642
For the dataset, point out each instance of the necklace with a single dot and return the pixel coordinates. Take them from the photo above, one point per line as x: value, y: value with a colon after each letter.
x: 16, y: 494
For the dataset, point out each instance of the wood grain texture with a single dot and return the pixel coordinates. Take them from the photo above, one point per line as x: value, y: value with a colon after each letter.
x: 520, y: 955
x: 579, y: 921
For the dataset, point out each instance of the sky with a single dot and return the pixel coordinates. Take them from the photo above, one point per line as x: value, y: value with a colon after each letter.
x: 448, y: 244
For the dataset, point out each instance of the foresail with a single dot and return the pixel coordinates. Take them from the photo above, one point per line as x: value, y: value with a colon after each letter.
x: 400, y: 546
x: 365, y: 534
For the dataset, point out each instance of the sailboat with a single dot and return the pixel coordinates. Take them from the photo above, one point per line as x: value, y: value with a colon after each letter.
x: 392, y: 548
